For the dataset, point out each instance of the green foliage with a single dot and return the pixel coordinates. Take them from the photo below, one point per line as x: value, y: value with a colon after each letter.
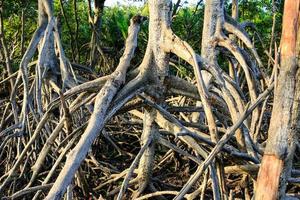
x: 260, y: 13
x: 12, y: 22
x: 187, y: 24
x: 116, y: 21
x: 145, y: 10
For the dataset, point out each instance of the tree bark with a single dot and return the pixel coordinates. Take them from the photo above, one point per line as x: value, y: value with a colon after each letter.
x: 97, y: 120
x: 282, y: 134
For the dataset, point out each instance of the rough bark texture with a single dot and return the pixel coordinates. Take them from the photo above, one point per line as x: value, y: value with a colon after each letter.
x: 282, y: 134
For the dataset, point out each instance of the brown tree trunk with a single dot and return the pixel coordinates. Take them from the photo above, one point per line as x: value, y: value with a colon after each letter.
x: 282, y: 134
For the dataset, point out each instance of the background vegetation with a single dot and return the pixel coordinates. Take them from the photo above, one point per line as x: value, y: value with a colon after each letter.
x: 186, y: 23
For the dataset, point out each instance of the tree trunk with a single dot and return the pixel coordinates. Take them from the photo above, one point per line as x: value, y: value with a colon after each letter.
x: 284, y: 126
